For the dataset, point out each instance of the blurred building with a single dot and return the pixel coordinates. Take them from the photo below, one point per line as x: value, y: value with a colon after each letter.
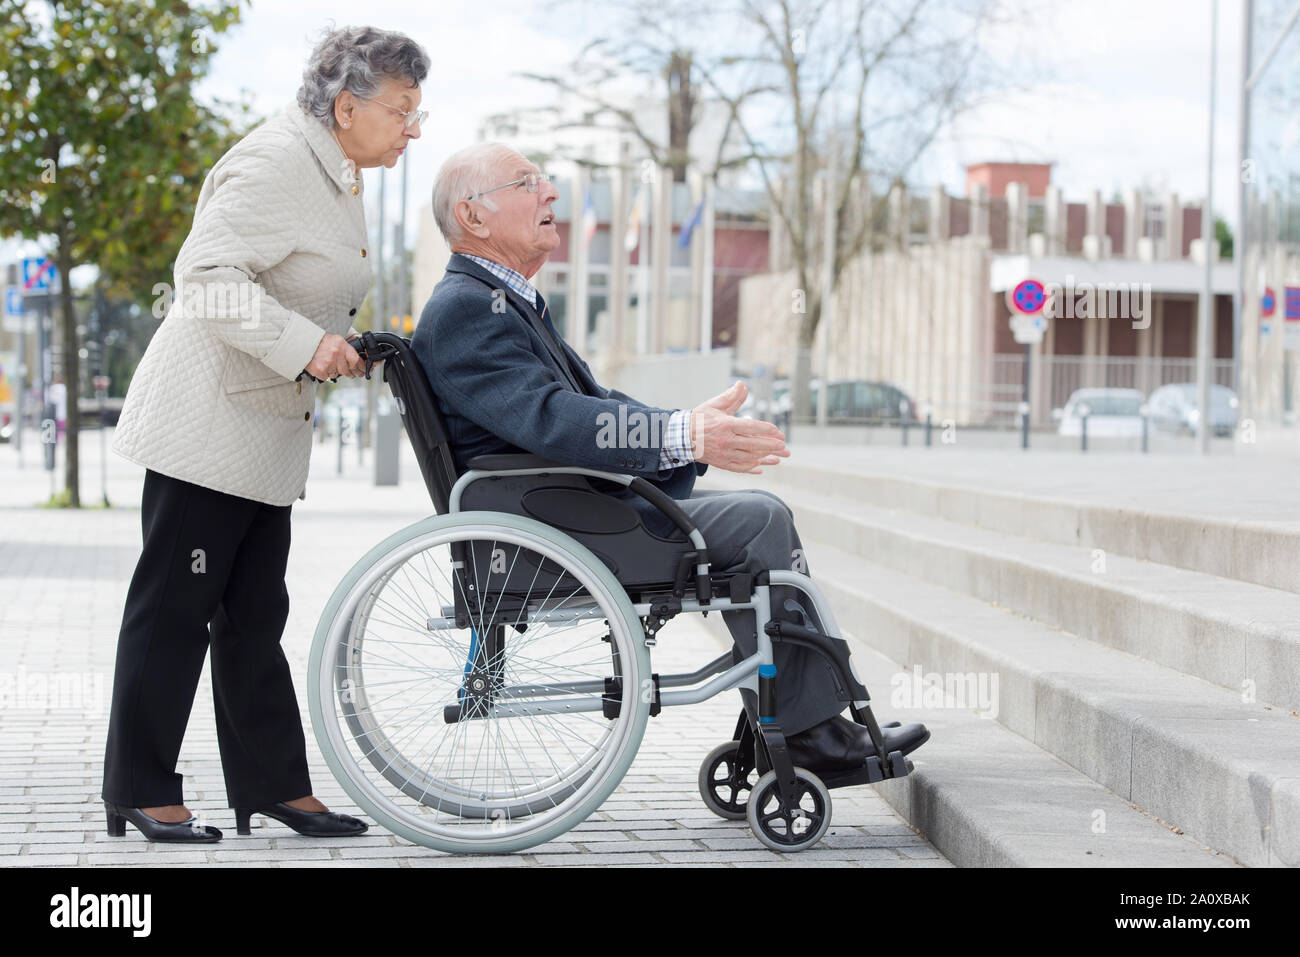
x: 1270, y: 178
x: 584, y: 152
x: 740, y: 250
x: 925, y: 307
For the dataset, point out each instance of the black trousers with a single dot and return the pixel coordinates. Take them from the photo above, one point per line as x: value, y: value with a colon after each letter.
x: 212, y: 572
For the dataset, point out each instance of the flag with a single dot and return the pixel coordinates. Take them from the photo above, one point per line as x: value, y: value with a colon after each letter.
x: 632, y: 238
x: 1291, y: 301
x: 688, y: 227
x: 588, y: 217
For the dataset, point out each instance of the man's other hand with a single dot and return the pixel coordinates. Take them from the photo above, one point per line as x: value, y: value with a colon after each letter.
x: 721, y: 439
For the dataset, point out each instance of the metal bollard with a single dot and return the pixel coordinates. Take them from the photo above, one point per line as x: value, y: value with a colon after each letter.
x: 339, y: 464
x: 388, y: 443
x: 928, y: 429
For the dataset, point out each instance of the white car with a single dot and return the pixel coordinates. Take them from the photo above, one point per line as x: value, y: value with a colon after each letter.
x: 1112, y: 413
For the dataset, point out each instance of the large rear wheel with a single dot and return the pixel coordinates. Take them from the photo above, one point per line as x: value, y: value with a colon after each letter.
x: 475, y: 682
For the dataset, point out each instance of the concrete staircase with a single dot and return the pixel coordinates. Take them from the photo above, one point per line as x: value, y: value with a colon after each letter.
x: 1140, y: 670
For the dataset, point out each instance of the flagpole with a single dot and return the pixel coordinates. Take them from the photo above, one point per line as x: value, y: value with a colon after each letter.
x: 576, y: 313
x: 706, y: 294
x: 695, y: 180
x: 620, y: 186
x: 643, y: 274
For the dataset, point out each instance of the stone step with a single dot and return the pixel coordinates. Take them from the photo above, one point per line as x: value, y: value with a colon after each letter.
x: 987, y: 797
x: 1240, y: 636
x: 1258, y: 549
x: 1181, y: 749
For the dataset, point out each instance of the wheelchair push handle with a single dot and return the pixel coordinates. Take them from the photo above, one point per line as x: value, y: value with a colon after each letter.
x: 372, y: 347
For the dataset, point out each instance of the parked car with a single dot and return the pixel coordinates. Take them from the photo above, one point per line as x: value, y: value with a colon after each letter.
x: 1173, y: 408
x: 776, y: 409
x: 859, y: 401
x: 1112, y: 413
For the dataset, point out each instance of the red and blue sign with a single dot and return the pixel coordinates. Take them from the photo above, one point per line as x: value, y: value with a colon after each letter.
x: 1291, y: 303
x: 37, y: 274
x: 1267, y: 303
x: 1027, y: 297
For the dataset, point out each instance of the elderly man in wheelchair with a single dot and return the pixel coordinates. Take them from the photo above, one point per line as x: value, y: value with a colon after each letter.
x: 481, y: 680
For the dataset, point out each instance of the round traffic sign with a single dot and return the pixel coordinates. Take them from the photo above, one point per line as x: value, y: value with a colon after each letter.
x: 1027, y: 297
x: 1267, y: 302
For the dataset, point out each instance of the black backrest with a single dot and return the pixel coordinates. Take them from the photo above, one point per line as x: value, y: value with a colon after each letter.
x: 419, y: 411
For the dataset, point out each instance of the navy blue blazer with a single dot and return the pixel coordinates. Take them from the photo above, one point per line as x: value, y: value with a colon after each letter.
x: 501, y: 388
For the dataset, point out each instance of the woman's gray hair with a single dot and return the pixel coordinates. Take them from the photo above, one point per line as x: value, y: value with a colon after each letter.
x: 465, y: 172
x: 359, y: 60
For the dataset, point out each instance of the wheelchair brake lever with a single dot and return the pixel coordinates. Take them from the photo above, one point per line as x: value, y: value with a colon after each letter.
x: 304, y: 372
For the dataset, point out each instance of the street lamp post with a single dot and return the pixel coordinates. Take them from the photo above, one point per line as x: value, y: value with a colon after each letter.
x: 1205, y: 335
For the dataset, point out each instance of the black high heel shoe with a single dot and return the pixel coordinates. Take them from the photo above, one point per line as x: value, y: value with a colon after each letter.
x: 309, y: 823
x: 182, y: 832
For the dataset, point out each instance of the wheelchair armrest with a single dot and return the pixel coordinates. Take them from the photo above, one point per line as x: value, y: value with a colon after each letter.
x: 651, y: 493
x: 497, y: 461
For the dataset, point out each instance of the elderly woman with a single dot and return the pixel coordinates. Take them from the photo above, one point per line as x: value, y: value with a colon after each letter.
x: 220, y: 415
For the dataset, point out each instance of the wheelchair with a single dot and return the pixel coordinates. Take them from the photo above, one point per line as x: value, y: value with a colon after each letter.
x: 480, y: 681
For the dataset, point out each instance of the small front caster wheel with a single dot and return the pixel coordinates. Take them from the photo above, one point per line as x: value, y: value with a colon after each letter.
x: 792, y: 829
x: 726, y: 781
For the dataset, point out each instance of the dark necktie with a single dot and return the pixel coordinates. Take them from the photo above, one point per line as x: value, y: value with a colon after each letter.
x: 544, y: 312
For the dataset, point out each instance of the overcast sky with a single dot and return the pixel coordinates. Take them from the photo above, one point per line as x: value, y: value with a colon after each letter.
x: 1117, y: 90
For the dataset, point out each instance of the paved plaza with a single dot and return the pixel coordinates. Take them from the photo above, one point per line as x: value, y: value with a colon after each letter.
x: 63, y: 578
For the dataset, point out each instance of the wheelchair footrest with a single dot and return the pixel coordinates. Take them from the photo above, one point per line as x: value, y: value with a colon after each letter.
x: 870, y: 773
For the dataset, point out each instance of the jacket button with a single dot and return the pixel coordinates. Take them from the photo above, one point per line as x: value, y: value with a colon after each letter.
x: 363, y: 253
x: 352, y: 312
x: 355, y: 190
x: 306, y: 416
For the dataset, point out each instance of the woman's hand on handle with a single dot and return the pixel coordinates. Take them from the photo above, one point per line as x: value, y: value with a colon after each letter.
x: 335, y: 357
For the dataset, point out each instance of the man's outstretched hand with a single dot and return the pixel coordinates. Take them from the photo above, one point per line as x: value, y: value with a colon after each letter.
x: 738, y: 445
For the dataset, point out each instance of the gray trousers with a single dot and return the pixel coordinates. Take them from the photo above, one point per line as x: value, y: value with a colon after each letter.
x: 753, y: 531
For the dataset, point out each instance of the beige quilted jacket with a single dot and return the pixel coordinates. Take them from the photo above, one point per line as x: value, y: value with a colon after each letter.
x: 275, y: 259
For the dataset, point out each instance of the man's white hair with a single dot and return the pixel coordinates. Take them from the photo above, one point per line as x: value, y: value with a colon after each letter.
x: 465, y: 172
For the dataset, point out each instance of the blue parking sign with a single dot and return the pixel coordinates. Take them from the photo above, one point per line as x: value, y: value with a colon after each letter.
x: 14, y: 302
x: 37, y: 274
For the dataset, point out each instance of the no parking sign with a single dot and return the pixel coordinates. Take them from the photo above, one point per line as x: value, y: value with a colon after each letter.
x: 1027, y: 297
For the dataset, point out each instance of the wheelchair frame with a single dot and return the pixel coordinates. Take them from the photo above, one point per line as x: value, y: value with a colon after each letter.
x: 757, y: 744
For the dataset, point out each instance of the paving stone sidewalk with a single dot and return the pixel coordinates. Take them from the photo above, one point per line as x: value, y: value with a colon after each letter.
x: 63, y: 577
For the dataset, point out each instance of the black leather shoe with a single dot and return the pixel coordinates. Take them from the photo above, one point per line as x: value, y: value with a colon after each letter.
x: 309, y: 823
x: 182, y: 832
x: 839, y: 744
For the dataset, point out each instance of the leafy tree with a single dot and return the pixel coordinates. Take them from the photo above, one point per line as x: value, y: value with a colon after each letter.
x: 103, y: 147
x: 1223, y: 233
